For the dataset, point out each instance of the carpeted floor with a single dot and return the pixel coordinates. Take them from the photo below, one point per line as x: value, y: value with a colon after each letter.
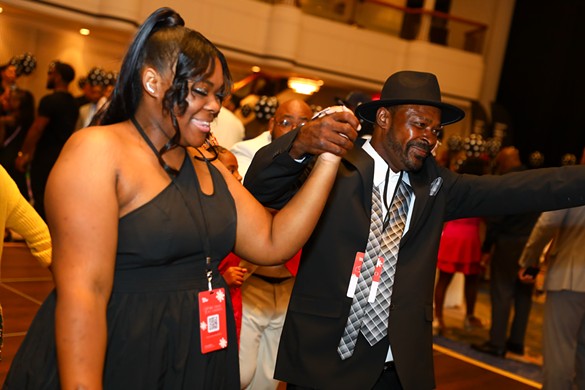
x: 457, y: 339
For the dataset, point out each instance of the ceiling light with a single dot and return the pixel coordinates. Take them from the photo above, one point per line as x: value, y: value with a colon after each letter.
x: 256, y: 69
x: 84, y: 31
x: 304, y: 86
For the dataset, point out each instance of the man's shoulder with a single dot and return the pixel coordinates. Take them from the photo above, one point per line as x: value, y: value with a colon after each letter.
x: 228, y: 121
x: 58, y: 97
x: 252, y: 144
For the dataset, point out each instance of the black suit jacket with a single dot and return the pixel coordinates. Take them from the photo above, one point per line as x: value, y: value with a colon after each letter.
x: 319, y: 307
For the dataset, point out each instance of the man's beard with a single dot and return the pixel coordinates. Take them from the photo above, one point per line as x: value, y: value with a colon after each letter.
x: 413, y: 164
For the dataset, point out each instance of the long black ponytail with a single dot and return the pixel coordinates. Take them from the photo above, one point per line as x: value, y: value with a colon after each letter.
x: 128, y: 89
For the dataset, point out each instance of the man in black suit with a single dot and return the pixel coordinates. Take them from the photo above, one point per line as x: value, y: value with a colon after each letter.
x: 407, y: 122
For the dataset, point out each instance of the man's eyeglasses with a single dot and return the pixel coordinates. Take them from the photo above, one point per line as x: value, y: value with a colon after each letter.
x: 288, y: 124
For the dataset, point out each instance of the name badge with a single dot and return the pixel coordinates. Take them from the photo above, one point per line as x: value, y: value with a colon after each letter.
x: 212, y: 320
x: 355, y: 274
x: 376, y: 280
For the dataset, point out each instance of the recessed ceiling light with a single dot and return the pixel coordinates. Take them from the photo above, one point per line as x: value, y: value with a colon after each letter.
x: 84, y: 31
x: 303, y: 85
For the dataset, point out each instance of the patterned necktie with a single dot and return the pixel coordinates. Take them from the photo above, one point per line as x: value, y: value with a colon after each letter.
x: 372, y: 318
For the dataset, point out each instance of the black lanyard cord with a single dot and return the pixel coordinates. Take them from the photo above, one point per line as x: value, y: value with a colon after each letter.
x: 385, y: 197
x: 204, y: 236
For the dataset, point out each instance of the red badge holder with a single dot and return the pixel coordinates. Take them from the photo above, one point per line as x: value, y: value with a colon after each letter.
x: 212, y: 316
x: 212, y: 320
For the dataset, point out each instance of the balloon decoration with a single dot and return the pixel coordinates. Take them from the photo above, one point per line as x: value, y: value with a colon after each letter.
x: 110, y: 78
x: 96, y: 76
x: 265, y: 108
x: 568, y: 159
x: 474, y: 145
x: 315, y: 108
x: 536, y: 159
x: 25, y: 64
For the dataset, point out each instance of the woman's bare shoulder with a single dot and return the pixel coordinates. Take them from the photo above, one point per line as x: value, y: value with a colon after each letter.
x: 98, y: 142
x: 101, y: 136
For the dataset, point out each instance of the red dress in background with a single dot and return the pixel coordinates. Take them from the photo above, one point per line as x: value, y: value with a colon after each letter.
x: 460, y: 247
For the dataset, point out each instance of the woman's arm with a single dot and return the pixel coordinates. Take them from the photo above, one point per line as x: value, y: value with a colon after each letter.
x: 24, y: 220
x: 82, y: 209
x: 266, y: 239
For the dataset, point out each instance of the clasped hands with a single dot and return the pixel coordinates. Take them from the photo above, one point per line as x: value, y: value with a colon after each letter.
x: 331, y: 131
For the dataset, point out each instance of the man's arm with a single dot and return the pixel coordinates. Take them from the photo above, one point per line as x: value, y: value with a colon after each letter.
x: 278, y: 169
x: 274, y: 176
x: 543, y: 232
x: 30, y: 143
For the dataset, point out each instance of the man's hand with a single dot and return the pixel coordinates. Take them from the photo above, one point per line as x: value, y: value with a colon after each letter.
x: 234, y: 276
x: 22, y: 161
x: 485, y: 260
x: 334, y: 132
x: 527, y: 277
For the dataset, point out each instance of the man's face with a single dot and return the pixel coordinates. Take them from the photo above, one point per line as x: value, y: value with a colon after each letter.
x: 407, y: 134
x: 288, y: 116
x: 9, y: 75
x: 95, y: 93
x: 51, y: 76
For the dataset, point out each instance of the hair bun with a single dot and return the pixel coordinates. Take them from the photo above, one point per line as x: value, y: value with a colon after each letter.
x: 167, y: 17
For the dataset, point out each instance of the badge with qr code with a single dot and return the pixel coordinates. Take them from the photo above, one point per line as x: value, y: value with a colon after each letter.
x: 212, y: 320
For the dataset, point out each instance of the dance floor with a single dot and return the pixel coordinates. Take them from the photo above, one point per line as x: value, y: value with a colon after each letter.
x: 24, y: 284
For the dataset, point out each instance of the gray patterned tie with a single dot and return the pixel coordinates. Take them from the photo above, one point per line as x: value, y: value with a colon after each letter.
x: 372, y: 318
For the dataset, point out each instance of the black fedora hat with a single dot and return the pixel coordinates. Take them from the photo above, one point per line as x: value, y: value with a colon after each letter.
x: 410, y: 87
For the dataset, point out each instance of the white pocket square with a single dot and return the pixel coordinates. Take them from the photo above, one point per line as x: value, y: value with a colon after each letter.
x: 435, y: 186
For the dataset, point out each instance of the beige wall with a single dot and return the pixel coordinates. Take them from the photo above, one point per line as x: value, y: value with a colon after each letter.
x: 247, y: 30
x: 279, y: 38
x: 50, y: 42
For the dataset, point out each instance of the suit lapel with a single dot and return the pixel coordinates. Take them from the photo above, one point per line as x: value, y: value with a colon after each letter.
x: 365, y: 166
x: 420, y: 183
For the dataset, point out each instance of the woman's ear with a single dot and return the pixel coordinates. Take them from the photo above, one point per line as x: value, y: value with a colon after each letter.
x: 150, y: 82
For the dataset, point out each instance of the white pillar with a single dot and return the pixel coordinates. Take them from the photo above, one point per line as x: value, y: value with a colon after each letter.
x: 425, y: 23
x: 495, y: 44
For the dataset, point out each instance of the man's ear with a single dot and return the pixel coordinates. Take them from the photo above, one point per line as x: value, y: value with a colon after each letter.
x: 383, y: 118
x: 151, y: 82
x: 271, y: 124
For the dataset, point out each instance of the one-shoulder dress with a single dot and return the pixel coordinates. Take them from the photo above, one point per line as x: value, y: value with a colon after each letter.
x: 153, y: 314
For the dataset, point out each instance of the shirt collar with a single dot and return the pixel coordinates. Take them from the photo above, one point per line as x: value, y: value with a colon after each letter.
x: 380, y: 167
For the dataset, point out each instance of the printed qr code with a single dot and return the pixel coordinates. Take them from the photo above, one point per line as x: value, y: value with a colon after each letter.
x: 213, y: 323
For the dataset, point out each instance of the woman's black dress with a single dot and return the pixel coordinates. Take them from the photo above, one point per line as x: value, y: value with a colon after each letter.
x: 153, y: 314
